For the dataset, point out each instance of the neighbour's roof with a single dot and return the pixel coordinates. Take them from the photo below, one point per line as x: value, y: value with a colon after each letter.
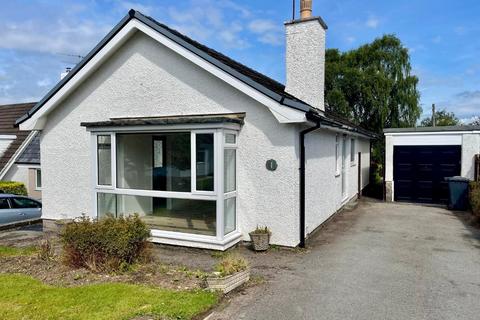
x: 8, y: 115
x: 31, y: 153
x: 168, y: 120
x: 433, y: 129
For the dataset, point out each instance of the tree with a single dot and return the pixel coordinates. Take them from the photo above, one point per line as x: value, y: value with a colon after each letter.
x: 372, y: 86
x: 475, y: 121
x: 442, y: 118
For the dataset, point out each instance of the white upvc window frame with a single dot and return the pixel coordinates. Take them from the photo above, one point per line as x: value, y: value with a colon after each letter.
x: 220, y: 240
x: 234, y: 193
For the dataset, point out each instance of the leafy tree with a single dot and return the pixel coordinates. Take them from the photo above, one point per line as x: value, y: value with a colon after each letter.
x: 475, y: 121
x: 373, y: 86
x: 442, y: 118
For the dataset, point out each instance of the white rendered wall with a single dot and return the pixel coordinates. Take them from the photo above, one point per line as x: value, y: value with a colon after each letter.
x: 470, y: 147
x: 17, y: 173
x: 146, y: 79
x: 323, y: 188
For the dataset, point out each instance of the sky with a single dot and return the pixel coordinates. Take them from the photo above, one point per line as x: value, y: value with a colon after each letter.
x: 40, y: 38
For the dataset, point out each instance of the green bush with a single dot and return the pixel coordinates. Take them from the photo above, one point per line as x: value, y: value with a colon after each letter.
x: 109, y: 244
x: 13, y: 187
x: 474, y: 196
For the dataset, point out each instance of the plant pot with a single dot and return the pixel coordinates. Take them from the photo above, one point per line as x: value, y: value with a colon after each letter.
x: 260, y: 241
x: 228, y: 283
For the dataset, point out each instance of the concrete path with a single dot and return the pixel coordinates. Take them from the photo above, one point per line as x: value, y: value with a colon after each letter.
x: 379, y: 261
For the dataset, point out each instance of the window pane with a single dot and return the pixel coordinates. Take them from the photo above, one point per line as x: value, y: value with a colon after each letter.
x: 179, y: 215
x: 230, y: 138
x: 154, y: 161
x: 4, y: 203
x: 39, y: 178
x: 229, y: 169
x: 106, y: 205
x: 104, y: 154
x: 352, y: 150
x: 229, y: 219
x: 205, y: 165
x: 19, y: 203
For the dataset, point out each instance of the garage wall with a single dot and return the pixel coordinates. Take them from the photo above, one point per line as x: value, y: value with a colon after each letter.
x: 470, y: 147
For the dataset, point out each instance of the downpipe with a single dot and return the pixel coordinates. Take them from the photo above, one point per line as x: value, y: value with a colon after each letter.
x: 302, y: 181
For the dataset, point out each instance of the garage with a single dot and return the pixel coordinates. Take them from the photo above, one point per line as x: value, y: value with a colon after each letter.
x: 417, y: 160
x: 419, y: 172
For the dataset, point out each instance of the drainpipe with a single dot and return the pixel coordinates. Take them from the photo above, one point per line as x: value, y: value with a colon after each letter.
x: 302, y: 181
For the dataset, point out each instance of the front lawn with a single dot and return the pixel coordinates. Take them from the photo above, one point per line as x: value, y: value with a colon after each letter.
x: 14, y: 251
x: 22, y: 297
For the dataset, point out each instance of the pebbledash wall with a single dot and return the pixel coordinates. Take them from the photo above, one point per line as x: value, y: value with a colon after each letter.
x: 467, y: 138
x: 323, y: 186
x: 144, y: 78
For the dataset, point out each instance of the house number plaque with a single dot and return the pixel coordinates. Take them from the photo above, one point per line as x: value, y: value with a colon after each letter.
x: 271, y: 165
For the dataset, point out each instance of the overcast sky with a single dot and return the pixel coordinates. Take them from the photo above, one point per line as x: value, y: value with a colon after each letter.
x: 38, y: 39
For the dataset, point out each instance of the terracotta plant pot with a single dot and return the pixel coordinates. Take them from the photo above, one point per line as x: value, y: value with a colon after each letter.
x: 228, y: 283
x: 260, y: 241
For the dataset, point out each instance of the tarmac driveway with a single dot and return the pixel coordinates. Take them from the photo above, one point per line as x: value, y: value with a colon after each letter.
x: 378, y: 261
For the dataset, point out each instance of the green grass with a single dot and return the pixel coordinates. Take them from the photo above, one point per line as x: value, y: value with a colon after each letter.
x: 22, y: 297
x: 14, y: 251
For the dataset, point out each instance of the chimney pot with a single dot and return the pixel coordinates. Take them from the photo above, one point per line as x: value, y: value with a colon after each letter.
x: 305, y: 9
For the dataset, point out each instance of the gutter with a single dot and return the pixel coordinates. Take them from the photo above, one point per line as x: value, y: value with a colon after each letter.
x: 303, y: 133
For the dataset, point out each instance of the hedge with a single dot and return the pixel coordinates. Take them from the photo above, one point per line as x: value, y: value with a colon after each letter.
x: 13, y: 187
x: 474, y: 197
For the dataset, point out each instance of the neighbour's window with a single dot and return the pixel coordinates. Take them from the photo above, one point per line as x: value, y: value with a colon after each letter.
x: 337, y: 154
x: 22, y: 203
x: 104, y: 159
x: 4, y: 203
x: 38, y: 179
x: 352, y: 151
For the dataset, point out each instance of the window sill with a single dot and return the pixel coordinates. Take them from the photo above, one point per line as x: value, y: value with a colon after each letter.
x: 195, y: 241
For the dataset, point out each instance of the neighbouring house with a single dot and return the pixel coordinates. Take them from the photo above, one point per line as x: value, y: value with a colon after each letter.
x: 202, y: 147
x: 417, y: 161
x: 19, y: 150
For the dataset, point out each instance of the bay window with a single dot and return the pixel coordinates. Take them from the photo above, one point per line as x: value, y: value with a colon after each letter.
x: 179, y: 182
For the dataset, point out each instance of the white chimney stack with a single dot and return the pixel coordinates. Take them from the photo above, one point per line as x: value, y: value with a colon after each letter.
x: 305, y: 57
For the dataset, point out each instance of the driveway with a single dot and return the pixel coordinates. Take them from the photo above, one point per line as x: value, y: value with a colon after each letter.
x: 378, y: 261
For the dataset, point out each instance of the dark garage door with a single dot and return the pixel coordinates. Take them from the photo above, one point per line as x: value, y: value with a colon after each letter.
x: 419, y: 172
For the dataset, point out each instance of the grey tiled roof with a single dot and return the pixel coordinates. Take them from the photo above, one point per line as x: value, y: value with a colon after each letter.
x: 31, y: 154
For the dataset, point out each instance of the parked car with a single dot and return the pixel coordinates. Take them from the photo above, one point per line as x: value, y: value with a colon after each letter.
x: 15, y: 208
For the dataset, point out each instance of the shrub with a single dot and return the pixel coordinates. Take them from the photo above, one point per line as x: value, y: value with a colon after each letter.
x: 230, y: 265
x: 474, y: 197
x: 13, y: 187
x: 109, y: 244
x: 46, y: 252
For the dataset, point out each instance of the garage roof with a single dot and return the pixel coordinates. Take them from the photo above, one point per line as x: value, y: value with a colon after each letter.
x: 432, y: 129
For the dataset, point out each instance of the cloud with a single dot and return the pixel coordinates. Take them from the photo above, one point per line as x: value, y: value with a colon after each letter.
x: 58, y: 36
x: 465, y: 104
x: 45, y: 82
x: 268, y: 31
x: 127, y: 5
x: 437, y: 39
x: 372, y: 22
x: 350, y: 39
